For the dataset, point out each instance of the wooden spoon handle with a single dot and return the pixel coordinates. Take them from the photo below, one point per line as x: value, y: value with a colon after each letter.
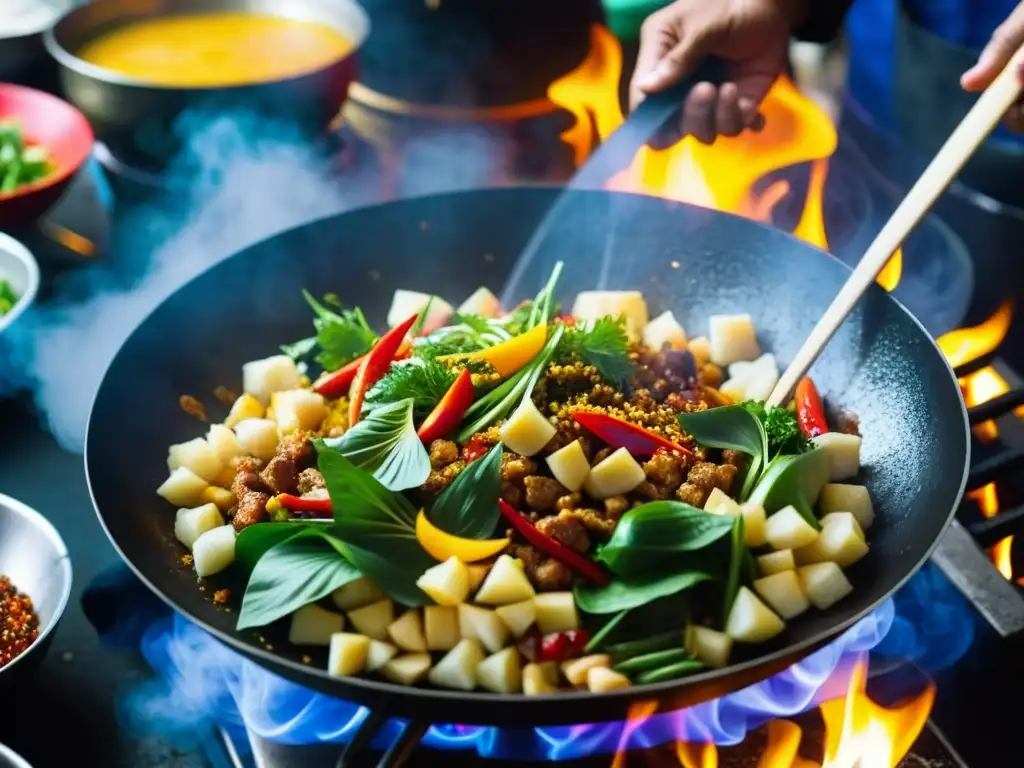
x: 975, y: 127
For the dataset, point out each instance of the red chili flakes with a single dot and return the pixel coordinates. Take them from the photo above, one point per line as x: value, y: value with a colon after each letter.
x: 19, y: 625
x: 221, y: 596
x: 192, y: 407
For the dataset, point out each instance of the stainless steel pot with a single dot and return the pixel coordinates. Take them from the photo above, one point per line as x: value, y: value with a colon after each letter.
x: 137, y: 119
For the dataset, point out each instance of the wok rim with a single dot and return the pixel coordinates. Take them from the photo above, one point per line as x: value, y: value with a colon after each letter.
x: 405, y: 701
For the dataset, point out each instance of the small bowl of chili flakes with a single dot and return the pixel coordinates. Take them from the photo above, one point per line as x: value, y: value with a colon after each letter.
x: 35, y: 584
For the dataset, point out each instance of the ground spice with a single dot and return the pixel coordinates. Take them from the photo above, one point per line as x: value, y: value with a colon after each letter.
x: 192, y: 407
x: 19, y: 625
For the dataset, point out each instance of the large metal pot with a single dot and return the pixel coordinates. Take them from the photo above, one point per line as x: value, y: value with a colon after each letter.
x: 137, y: 119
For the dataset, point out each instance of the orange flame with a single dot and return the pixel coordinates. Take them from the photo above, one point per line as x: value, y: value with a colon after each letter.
x: 964, y: 345
x: 721, y: 176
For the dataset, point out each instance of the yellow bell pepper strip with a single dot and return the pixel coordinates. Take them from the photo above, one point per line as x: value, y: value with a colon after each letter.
x: 441, y: 545
x: 509, y: 356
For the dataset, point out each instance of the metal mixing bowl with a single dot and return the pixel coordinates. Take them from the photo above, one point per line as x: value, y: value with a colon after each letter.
x: 137, y: 119
x: 33, y: 555
x: 9, y: 759
x: 18, y: 266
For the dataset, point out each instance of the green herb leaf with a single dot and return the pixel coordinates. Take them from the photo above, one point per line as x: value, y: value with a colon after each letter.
x: 781, y: 428
x: 357, y: 495
x: 735, y: 428
x: 517, y: 321
x: 647, y: 534
x: 385, y: 443
x: 604, y: 345
x: 341, y: 336
x: 447, y: 341
x: 388, y: 555
x: 619, y: 595
x: 469, y: 506
x: 301, y: 349
x: 738, y: 550
x: 293, y: 573
x: 795, y: 480
x: 543, y: 306
x: 255, y: 540
x: 424, y: 382
x: 8, y: 298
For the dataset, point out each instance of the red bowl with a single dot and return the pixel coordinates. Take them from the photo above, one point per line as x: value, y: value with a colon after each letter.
x: 59, y: 127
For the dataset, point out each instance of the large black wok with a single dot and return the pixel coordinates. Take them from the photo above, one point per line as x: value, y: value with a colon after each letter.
x: 882, y: 365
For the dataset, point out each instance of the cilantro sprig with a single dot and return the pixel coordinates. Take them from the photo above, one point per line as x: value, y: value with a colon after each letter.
x: 780, y: 424
x: 604, y: 345
x: 424, y: 382
x: 340, y: 338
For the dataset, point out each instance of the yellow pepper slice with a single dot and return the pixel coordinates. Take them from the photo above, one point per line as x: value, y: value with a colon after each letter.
x: 509, y: 356
x: 441, y: 545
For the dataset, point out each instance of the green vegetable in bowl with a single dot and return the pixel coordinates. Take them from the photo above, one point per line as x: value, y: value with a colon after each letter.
x: 21, y: 163
x: 8, y: 298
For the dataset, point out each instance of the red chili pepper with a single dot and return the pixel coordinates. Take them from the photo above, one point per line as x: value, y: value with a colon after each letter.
x: 621, y: 434
x: 375, y: 364
x: 473, y: 450
x: 584, y: 566
x: 336, y: 383
x: 299, y: 504
x: 559, y: 646
x: 810, y: 414
x: 449, y: 412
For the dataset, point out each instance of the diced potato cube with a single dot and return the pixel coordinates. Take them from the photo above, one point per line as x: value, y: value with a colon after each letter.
x: 447, y: 583
x: 183, y: 488
x: 732, y: 338
x: 482, y: 624
x: 500, y: 672
x: 457, y: 670
x: 665, y: 330
x: 441, y: 627
x: 754, y: 524
x: 245, y: 407
x: 506, y: 583
x: 221, y: 498
x: 298, y: 409
x: 405, y: 304
x: 407, y: 631
x: 841, y: 541
x: 783, y: 593
x: 477, y: 574
x: 700, y: 348
x: 379, y: 654
x: 593, y: 305
x: 408, y: 669
x: 518, y: 617
x: 787, y: 529
x: 348, y: 654
x: 190, y: 524
x: 313, y: 625
x: 719, y: 503
x: 539, y: 679
x: 223, y: 442
x: 262, y: 378
x: 842, y: 497
x: 750, y: 620
x: 196, y: 455
x: 602, y: 680
x: 776, y: 562
x: 575, y: 670
x: 825, y: 584
x: 373, y: 620
x: 481, y: 302
x: 846, y: 518
x: 356, y: 594
x: 735, y: 389
x: 214, y: 551
x: 569, y: 465
x: 617, y: 474
x: 526, y: 431
x: 843, y: 453
x: 761, y: 377
x: 709, y: 645
x: 556, y: 612
x: 257, y: 437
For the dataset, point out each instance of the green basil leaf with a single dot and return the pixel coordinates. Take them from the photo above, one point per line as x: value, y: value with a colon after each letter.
x: 358, y: 495
x: 385, y: 442
x: 736, y: 561
x: 389, y: 556
x: 657, y: 529
x: 732, y: 427
x: 469, y: 506
x: 291, y: 574
x: 793, y: 480
x: 255, y: 540
x: 618, y: 595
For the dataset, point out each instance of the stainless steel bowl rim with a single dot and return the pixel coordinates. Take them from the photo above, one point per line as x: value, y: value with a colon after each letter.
x: 61, y: 550
x: 12, y: 758
x: 24, y: 255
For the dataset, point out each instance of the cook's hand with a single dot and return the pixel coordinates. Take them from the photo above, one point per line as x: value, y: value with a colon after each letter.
x: 750, y: 36
x: 1007, y: 38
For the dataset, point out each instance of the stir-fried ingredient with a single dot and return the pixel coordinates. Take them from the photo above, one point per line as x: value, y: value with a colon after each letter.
x: 8, y: 298
x: 19, y: 624
x: 21, y: 162
x: 485, y: 500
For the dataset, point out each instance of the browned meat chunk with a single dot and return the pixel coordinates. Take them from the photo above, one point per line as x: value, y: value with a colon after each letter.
x: 552, y: 575
x: 615, y: 507
x: 297, y: 447
x: 247, y: 477
x: 515, y: 467
x: 564, y: 529
x: 252, y: 508
x: 512, y: 493
x: 594, y: 521
x: 665, y: 469
x: 652, y: 492
x: 689, y: 493
x: 568, y: 501
x: 311, y: 479
x: 736, y: 458
x: 439, y: 479
x: 443, y: 453
x: 530, y: 557
x: 542, y: 492
x: 280, y: 474
x: 702, y: 479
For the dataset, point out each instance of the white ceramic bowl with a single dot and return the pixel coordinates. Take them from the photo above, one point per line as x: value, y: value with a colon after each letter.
x: 18, y: 266
x: 10, y: 759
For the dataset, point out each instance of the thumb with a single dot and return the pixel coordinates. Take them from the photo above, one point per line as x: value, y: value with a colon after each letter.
x: 677, y: 63
x: 1005, y: 41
